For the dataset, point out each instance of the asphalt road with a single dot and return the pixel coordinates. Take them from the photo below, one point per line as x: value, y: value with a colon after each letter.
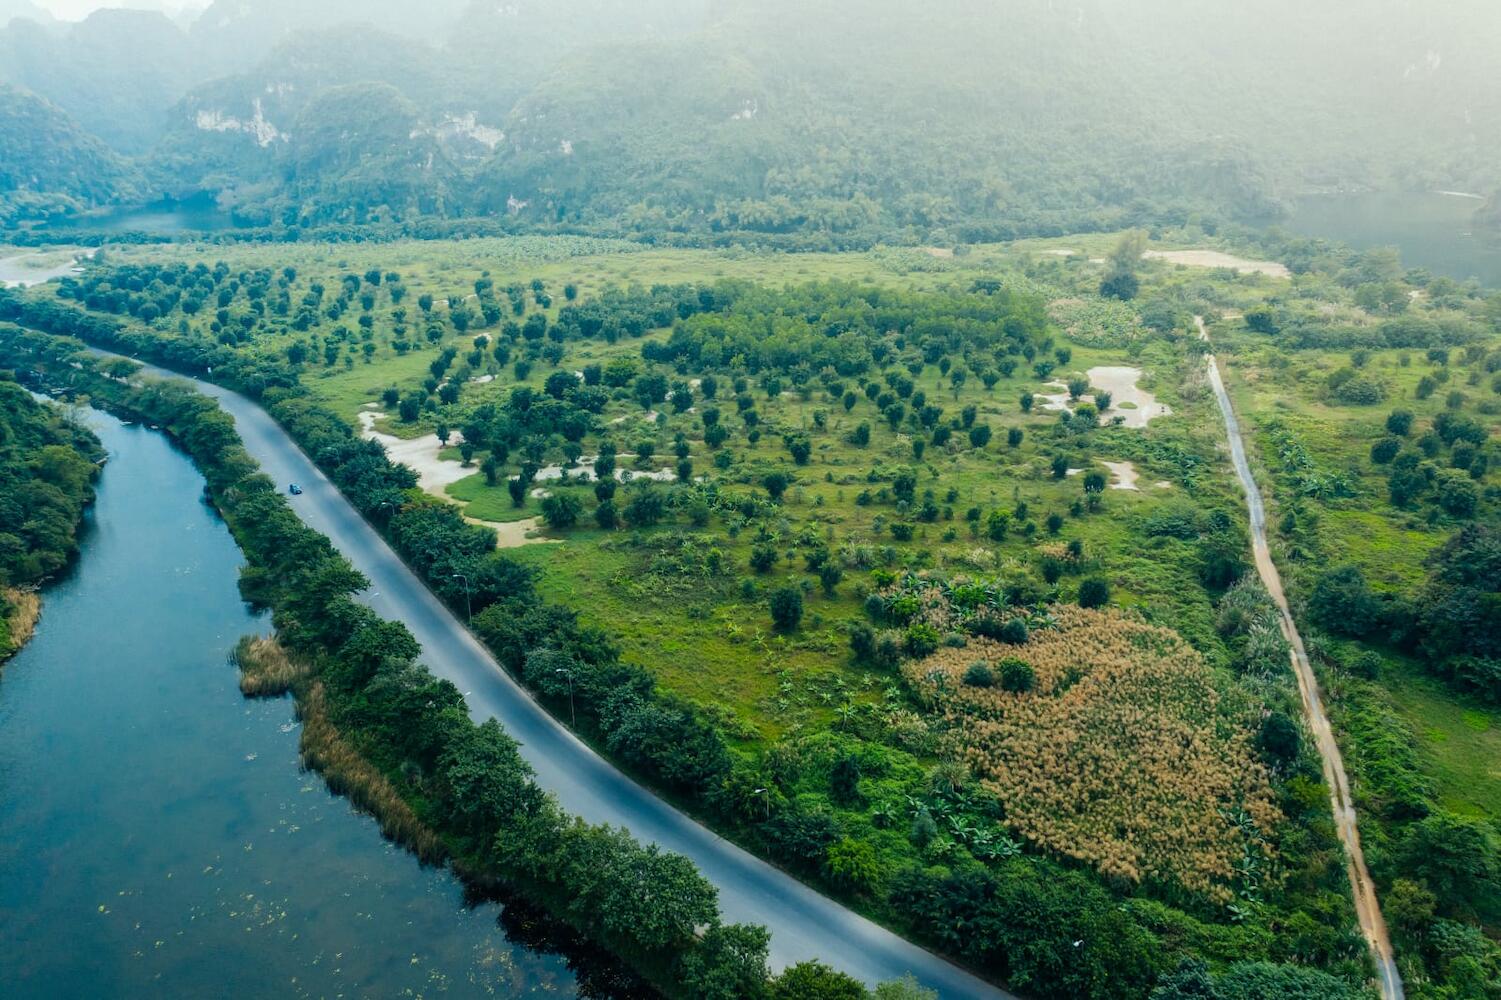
x: 804, y: 924
x: 1367, y: 909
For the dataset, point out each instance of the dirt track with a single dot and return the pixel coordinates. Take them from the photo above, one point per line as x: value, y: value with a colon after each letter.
x: 1367, y: 909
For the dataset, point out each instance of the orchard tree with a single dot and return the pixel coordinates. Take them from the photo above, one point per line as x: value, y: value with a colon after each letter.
x: 787, y: 609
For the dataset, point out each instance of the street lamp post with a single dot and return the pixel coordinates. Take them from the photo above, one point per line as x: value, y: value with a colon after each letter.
x: 468, y: 607
x: 765, y: 797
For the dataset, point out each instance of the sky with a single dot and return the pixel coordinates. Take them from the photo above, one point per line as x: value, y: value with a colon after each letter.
x: 77, y: 10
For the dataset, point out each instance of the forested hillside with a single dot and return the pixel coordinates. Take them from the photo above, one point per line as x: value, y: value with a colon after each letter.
x: 948, y: 121
x: 48, y: 164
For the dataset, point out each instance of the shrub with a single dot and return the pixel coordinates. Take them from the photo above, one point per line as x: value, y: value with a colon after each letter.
x: 1457, y: 493
x: 1261, y: 319
x: 1017, y: 676
x: 1094, y: 593
x: 787, y: 609
x: 645, y: 508
x: 561, y: 510
x: 763, y: 558
x: 1383, y: 451
x: 862, y: 641
x: 816, y: 981
x: 922, y: 639
x: 1279, y: 739
x: 1342, y: 602
x: 979, y: 675
x: 1014, y: 632
x: 854, y: 864
x: 1360, y: 390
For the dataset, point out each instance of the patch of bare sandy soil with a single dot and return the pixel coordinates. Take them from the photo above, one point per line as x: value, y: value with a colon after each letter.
x: 1134, y: 405
x: 436, y: 474
x: 1213, y: 258
x: 1122, y: 475
x: 421, y: 455
x: 515, y: 534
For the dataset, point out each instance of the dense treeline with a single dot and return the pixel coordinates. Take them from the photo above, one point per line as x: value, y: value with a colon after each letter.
x: 48, y: 464
x: 1453, y: 624
x: 851, y: 330
x: 467, y: 781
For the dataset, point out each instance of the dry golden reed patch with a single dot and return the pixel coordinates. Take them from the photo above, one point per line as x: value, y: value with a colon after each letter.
x: 20, y: 623
x: 1119, y: 757
x: 349, y: 774
x: 266, y: 671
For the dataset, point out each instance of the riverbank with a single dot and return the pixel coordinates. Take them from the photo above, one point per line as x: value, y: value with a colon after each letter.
x: 48, y: 466
x: 157, y: 834
x: 405, y: 561
x: 418, y: 733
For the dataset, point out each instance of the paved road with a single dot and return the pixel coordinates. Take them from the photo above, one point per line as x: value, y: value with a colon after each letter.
x: 804, y: 924
x: 1372, y: 925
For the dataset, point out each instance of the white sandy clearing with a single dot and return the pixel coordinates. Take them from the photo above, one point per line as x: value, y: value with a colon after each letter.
x: 584, y: 472
x: 1213, y: 258
x: 434, y: 474
x: 1134, y: 405
x: 1060, y: 252
x: 650, y: 417
x: 1122, y: 475
x: 942, y: 253
x: 515, y: 534
x: 1162, y: 484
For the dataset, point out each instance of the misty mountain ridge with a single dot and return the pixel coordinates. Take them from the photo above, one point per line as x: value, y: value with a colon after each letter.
x: 780, y: 116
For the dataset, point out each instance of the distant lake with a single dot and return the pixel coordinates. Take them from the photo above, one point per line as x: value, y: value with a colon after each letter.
x: 1434, y: 231
x: 161, y: 218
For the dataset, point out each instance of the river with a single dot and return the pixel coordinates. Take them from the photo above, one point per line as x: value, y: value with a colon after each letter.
x: 157, y: 837
x: 1433, y: 231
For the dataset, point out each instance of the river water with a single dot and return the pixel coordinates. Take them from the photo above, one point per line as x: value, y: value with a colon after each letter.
x: 1434, y: 231
x: 157, y: 838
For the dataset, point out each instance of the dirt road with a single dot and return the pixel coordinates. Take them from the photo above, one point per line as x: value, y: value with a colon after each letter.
x: 1372, y: 924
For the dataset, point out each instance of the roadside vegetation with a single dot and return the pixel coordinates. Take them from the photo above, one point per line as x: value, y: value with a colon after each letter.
x: 1374, y: 401
x: 48, y: 464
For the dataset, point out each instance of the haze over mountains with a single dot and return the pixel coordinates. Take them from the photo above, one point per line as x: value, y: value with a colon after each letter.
x: 783, y: 116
